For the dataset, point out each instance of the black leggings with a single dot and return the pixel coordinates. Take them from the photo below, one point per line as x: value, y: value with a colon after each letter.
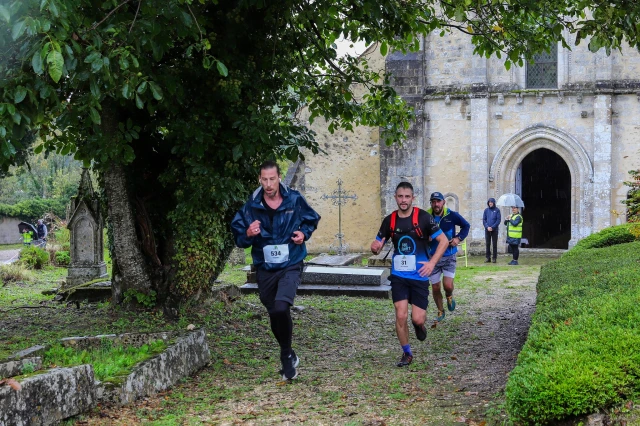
x: 282, y: 325
x: 515, y: 250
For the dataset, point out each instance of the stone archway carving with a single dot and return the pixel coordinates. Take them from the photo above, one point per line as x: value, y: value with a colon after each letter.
x: 510, y: 155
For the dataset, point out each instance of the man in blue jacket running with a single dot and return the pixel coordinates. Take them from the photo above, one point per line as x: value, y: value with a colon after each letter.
x: 491, y: 221
x: 447, y: 220
x: 275, y: 223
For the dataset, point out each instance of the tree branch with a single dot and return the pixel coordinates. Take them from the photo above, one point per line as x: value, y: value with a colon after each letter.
x: 134, y: 18
x: 96, y: 25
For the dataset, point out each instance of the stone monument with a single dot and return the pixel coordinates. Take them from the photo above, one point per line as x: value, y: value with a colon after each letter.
x: 86, y: 240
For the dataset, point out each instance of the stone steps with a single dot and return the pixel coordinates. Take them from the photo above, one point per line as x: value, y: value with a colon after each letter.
x: 335, y: 281
x: 379, y: 291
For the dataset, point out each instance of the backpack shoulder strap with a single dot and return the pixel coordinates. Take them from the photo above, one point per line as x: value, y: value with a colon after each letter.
x: 394, y: 215
x: 414, y: 221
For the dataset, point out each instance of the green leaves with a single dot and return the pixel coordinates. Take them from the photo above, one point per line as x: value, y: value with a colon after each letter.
x: 55, y: 63
x: 127, y: 91
x: 222, y: 69
x: 156, y: 91
x: 95, y: 116
x: 384, y: 47
x: 5, y: 14
x: 18, y: 29
x: 20, y: 94
x: 36, y: 63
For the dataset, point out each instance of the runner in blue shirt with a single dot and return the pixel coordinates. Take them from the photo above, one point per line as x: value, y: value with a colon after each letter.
x: 409, y: 229
x: 447, y: 220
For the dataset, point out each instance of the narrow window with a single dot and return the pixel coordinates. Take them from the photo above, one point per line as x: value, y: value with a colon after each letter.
x: 542, y: 72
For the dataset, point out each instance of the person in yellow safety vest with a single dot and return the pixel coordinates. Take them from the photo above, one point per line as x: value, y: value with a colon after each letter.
x: 27, y: 237
x: 514, y: 233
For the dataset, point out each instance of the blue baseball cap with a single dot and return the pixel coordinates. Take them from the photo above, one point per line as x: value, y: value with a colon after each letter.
x: 436, y: 196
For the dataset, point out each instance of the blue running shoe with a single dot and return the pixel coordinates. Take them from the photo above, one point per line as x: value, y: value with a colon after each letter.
x: 451, y: 303
x: 440, y: 316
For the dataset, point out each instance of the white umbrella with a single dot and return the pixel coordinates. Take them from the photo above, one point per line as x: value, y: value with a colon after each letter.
x: 510, y: 200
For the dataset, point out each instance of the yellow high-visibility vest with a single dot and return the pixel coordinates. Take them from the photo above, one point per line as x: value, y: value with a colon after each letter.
x: 26, y: 238
x: 514, y: 231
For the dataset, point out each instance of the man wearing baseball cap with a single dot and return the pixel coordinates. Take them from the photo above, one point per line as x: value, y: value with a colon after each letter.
x: 448, y: 220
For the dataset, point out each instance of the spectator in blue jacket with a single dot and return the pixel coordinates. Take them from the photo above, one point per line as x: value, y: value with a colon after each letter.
x: 491, y: 220
x: 275, y: 223
x: 446, y: 266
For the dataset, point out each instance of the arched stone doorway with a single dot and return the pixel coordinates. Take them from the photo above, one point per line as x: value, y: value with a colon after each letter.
x: 545, y: 188
x: 505, y: 165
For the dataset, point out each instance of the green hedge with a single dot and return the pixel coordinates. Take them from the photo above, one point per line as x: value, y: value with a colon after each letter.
x: 611, y: 236
x: 583, y: 348
x: 35, y: 208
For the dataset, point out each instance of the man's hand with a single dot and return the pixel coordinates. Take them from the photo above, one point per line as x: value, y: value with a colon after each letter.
x: 489, y: 229
x: 253, y: 229
x: 454, y: 241
x: 509, y: 217
x: 376, y: 246
x: 426, y: 269
x: 298, y: 237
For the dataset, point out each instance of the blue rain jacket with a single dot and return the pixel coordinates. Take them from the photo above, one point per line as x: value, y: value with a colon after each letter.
x: 294, y: 214
x: 491, y: 217
x: 448, y: 222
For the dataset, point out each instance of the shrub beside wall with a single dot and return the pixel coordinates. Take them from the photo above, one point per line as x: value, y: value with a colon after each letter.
x: 582, y: 353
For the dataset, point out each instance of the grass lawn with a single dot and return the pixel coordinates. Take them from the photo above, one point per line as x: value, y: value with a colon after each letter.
x: 348, y: 350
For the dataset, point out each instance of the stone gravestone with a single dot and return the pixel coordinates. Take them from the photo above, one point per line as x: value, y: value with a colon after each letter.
x: 85, y: 228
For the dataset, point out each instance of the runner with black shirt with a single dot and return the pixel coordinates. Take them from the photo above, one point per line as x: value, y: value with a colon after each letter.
x: 409, y: 229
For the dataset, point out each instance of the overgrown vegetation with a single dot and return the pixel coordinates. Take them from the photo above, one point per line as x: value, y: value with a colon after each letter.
x: 109, y: 361
x: 33, y: 209
x: 583, y: 349
x: 34, y: 257
x: 13, y: 273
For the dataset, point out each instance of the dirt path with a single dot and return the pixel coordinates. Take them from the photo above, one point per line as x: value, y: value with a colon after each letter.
x: 8, y: 256
x: 348, y: 349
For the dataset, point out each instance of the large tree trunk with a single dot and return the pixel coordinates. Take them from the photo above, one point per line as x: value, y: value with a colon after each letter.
x: 129, y: 265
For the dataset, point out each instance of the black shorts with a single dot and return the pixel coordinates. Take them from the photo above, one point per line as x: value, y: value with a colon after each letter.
x: 278, y: 285
x: 415, y: 291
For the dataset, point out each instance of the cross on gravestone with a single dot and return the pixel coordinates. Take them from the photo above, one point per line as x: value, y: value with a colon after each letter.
x: 339, y: 197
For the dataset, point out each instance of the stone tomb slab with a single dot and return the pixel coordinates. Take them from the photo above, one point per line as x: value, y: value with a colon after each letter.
x: 331, y: 260
x: 344, y: 276
x: 379, y: 291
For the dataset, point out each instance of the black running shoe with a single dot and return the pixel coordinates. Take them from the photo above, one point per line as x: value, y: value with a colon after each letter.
x: 421, y: 331
x: 405, y: 360
x: 289, y: 365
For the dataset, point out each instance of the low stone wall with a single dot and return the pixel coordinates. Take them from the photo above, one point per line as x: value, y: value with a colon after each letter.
x: 49, y: 398
x: 188, y: 355
x: 15, y: 368
x: 126, y: 339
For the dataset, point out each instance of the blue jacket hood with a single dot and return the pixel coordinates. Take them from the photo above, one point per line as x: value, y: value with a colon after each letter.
x: 491, y: 200
x: 293, y: 214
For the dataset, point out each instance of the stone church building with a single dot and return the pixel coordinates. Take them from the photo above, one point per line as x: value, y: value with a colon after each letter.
x: 562, y: 133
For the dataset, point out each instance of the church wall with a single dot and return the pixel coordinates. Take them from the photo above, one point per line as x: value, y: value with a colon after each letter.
x: 626, y: 65
x: 450, y: 60
x: 467, y: 109
x: 353, y: 157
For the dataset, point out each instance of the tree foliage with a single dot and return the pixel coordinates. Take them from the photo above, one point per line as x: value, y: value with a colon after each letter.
x: 187, y: 97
